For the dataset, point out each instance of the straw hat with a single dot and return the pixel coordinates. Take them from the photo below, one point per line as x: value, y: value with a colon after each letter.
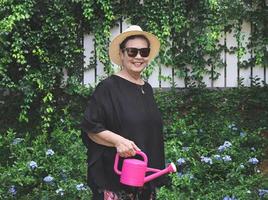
x: 132, y: 30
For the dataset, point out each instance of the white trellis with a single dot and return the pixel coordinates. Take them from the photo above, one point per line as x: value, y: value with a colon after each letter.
x: 228, y: 75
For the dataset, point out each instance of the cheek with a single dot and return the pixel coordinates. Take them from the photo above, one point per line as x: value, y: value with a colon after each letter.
x: 146, y: 60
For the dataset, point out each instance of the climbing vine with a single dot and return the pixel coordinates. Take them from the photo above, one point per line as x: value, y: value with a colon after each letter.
x: 39, y: 40
x: 190, y: 32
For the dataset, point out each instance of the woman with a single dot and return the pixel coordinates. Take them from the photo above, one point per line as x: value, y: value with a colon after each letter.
x: 122, y: 117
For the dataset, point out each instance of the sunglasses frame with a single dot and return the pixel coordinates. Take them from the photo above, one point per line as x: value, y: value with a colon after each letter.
x: 136, y: 51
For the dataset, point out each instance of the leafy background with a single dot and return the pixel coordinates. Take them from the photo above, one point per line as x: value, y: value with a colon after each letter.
x: 40, y: 109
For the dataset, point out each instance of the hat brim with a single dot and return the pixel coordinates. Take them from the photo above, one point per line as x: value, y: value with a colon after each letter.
x: 114, y: 48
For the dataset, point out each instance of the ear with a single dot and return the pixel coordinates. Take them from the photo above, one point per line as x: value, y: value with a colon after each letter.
x: 121, y: 54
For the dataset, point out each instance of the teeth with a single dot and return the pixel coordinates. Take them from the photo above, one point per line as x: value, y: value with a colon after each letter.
x: 137, y: 63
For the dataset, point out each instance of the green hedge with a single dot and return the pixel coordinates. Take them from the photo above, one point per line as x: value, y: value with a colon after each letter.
x: 246, y: 107
x: 215, y: 135
x: 203, y: 130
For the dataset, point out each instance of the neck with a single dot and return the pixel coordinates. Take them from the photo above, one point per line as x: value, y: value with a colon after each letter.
x: 132, y: 77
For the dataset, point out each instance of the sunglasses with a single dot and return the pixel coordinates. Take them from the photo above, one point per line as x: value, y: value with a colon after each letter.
x: 133, y: 52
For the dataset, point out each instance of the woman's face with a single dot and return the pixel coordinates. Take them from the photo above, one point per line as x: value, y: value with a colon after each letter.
x: 134, y: 64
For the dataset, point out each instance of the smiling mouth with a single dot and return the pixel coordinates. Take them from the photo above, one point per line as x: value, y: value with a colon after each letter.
x: 137, y: 64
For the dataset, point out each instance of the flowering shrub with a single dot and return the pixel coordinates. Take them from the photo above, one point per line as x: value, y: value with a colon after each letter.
x: 50, y: 166
x: 217, y: 154
x: 204, y: 167
x: 217, y: 151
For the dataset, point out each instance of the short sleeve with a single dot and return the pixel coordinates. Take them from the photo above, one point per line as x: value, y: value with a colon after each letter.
x: 94, y: 116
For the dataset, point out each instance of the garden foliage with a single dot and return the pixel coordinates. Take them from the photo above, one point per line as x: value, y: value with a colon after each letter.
x: 42, y: 156
x: 214, y: 136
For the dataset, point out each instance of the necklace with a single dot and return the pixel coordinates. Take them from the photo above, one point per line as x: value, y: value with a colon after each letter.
x: 142, y: 91
x: 139, y: 82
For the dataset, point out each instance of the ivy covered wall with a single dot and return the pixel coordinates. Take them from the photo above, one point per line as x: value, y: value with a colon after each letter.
x: 41, y: 39
x: 229, y: 73
x: 190, y: 32
x: 40, y: 109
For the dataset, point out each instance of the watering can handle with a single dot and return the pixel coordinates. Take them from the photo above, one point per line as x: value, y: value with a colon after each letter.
x: 117, y: 160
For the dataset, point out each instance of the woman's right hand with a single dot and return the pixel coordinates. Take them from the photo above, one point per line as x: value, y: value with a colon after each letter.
x: 126, y: 148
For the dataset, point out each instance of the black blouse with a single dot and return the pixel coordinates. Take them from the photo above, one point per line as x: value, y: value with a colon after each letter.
x: 129, y: 110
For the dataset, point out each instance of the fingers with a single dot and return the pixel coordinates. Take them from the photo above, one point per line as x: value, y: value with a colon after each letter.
x: 126, y: 148
x: 136, y: 148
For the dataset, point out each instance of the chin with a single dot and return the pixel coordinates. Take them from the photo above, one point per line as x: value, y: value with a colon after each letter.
x: 138, y: 70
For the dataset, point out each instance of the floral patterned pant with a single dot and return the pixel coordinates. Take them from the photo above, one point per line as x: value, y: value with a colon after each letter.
x: 122, y: 195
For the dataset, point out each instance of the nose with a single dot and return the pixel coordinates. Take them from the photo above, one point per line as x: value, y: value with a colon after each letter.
x: 138, y: 55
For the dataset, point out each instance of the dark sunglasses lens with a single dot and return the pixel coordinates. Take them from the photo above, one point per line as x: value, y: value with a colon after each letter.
x: 132, y: 52
x: 144, y: 52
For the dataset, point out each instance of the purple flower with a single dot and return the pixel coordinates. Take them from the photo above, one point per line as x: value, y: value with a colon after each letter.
x: 32, y: 165
x: 263, y: 192
x: 48, y: 179
x: 181, y: 161
x: 50, y: 152
x: 226, y: 158
x: 221, y: 148
x: 17, y: 141
x: 12, y: 190
x: 188, y: 175
x: 253, y: 161
x: 242, y: 134
x: 229, y: 198
x: 217, y: 157
x: 206, y: 160
x: 80, y: 187
x: 226, y: 145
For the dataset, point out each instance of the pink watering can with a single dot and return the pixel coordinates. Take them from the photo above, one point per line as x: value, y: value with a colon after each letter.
x: 134, y: 170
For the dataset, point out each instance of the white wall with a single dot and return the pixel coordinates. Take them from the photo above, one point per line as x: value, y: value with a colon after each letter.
x: 90, y: 77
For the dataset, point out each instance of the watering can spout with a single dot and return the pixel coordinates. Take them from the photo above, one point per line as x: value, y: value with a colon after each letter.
x: 171, y: 168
